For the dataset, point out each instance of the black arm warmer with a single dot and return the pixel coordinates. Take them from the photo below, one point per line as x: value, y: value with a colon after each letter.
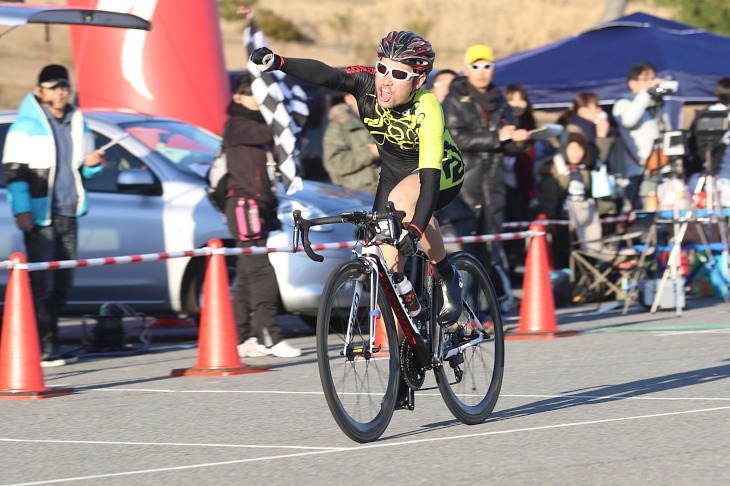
x: 316, y: 72
x: 430, y: 187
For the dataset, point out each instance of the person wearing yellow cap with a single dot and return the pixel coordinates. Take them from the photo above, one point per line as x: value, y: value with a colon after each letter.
x: 482, y: 124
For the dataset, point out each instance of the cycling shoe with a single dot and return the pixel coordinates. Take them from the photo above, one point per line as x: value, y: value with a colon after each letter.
x: 450, y: 299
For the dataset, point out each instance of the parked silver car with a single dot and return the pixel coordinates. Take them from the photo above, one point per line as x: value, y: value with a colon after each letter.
x: 153, y: 198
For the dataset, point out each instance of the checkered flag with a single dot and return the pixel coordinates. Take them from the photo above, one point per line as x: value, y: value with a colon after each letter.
x: 283, y: 105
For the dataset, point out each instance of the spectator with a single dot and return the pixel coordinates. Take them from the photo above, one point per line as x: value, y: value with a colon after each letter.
x: 639, y: 129
x: 520, y: 171
x: 48, y: 151
x: 574, y: 180
x: 441, y: 83
x: 566, y: 179
x: 483, y: 127
x: 246, y: 140
x: 572, y: 169
x: 587, y: 117
x: 349, y: 153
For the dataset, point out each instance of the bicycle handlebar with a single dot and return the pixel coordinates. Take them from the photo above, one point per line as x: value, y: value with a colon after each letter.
x: 358, y: 218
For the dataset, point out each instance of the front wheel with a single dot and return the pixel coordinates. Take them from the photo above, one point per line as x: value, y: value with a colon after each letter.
x: 471, y: 376
x: 359, y: 384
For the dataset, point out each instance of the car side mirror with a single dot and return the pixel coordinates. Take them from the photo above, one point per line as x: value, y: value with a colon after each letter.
x: 138, y: 181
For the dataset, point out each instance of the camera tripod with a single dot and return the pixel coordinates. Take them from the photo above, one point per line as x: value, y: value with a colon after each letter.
x: 680, y: 220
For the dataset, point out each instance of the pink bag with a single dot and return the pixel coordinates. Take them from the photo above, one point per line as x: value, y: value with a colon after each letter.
x: 248, y: 219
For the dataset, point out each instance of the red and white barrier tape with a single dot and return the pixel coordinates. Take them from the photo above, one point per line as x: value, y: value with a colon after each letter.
x: 565, y: 222
x: 150, y: 257
x: 98, y: 262
x: 497, y: 237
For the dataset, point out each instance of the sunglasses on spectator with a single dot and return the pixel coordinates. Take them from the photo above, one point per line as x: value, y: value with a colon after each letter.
x: 396, y: 73
x: 481, y: 66
x: 63, y: 86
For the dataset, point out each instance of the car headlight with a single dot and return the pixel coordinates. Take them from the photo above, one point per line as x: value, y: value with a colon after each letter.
x: 286, y: 208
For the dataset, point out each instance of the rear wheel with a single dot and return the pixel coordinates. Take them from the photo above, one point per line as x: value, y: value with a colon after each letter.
x: 360, y: 386
x: 471, y: 376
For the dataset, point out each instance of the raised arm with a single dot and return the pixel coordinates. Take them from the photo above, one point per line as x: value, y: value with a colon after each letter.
x: 306, y: 70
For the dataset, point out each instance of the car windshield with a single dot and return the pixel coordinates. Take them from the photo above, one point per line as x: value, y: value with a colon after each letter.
x: 188, y: 148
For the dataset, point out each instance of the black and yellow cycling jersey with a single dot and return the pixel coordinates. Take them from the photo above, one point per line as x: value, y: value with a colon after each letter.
x: 411, y: 137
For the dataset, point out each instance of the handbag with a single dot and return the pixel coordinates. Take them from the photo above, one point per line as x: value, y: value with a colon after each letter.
x: 656, y: 160
x: 601, y: 183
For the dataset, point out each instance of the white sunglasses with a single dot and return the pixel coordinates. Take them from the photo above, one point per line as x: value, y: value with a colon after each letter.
x: 396, y: 73
x: 477, y: 66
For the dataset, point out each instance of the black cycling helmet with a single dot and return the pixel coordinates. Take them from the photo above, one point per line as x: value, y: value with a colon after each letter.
x: 408, y: 48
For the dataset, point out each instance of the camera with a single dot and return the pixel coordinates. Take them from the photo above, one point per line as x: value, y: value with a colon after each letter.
x: 665, y: 88
x: 710, y: 126
x: 674, y: 143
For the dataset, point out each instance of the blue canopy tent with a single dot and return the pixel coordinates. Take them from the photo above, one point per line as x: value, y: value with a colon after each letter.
x: 597, y: 60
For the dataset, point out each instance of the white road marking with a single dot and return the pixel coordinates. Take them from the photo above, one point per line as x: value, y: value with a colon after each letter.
x: 166, y: 444
x: 420, y: 394
x: 359, y: 448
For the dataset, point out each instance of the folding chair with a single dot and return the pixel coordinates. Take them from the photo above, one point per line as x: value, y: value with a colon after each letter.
x: 598, y: 264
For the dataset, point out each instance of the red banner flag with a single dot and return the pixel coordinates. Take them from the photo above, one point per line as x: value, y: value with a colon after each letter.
x: 175, y: 70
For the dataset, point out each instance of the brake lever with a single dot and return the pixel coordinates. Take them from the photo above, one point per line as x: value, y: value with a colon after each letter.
x: 303, y: 225
x: 297, y: 215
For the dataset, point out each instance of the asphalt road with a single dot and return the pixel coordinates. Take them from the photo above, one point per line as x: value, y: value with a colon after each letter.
x: 636, y: 399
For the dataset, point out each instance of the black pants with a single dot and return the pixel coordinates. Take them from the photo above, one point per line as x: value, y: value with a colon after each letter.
x: 256, y: 296
x: 51, y: 287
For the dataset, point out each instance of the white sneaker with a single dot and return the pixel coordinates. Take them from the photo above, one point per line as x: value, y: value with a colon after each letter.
x: 252, y: 349
x: 58, y: 361
x: 283, y: 349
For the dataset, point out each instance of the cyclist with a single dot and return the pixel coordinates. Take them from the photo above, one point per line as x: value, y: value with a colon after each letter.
x: 422, y: 169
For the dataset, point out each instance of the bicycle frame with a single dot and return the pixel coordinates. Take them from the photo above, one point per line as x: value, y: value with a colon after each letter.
x: 378, y: 269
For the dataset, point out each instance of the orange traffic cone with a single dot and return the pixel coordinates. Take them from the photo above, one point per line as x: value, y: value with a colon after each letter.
x: 537, y: 311
x: 21, y: 375
x: 217, y: 337
x: 381, y: 338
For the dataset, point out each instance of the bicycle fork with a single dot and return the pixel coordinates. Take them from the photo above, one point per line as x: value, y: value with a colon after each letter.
x: 374, y: 315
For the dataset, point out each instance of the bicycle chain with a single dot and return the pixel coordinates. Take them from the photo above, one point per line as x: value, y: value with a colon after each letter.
x: 413, y: 373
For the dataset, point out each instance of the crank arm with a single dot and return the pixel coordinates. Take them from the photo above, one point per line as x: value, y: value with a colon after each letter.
x: 467, y: 344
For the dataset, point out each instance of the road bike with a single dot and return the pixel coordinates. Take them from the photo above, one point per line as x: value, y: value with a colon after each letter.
x: 363, y: 362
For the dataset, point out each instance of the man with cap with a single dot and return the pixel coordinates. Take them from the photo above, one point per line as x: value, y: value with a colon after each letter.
x: 48, y: 151
x: 482, y: 124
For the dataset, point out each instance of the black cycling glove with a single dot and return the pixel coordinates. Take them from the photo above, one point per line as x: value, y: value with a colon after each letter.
x: 408, y: 243
x: 265, y: 60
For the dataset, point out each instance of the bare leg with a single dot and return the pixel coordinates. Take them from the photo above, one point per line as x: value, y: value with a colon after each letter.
x: 404, y: 197
x: 433, y: 242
